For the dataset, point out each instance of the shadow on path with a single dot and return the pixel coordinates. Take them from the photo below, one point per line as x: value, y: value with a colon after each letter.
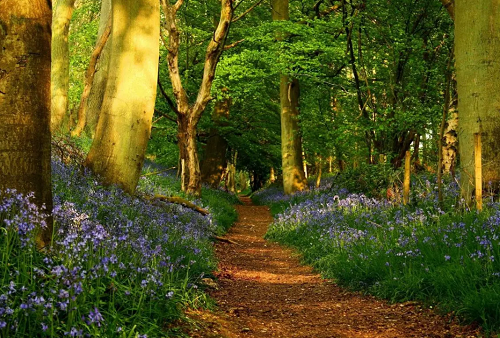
x: 263, y: 291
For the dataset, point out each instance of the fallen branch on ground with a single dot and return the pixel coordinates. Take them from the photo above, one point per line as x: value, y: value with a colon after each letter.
x: 226, y: 240
x: 179, y: 200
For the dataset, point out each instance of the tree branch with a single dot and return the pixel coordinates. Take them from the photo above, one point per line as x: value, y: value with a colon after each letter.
x: 449, y: 5
x: 178, y: 5
x: 173, y: 54
x: 212, y: 55
x: 167, y: 98
x: 165, y: 115
x: 226, y: 47
x: 247, y: 11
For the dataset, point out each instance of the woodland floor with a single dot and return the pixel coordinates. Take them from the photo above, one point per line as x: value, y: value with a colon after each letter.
x: 264, y: 291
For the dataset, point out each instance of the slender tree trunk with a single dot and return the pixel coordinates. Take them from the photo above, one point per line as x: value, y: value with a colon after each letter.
x: 188, y: 115
x: 477, y: 46
x: 124, y: 127
x: 89, y: 79
x: 319, y: 172
x: 450, y: 141
x: 272, y: 176
x: 25, y: 37
x: 214, y: 164
x: 294, y: 178
x: 61, y: 17
x: 93, y: 103
x: 446, y: 107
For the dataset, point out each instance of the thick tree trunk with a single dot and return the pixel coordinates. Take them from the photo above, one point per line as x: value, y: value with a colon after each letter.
x: 61, y: 17
x: 25, y: 35
x: 124, y: 127
x: 214, y: 163
x: 294, y: 178
x: 477, y: 46
x: 188, y: 154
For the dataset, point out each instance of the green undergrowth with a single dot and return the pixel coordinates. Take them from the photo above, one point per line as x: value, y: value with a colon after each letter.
x: 120, y: 266
x: 219, y: 202
x: 446, y: 257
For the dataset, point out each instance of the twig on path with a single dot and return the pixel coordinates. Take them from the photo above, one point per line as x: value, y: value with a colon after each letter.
x: 226, y: 240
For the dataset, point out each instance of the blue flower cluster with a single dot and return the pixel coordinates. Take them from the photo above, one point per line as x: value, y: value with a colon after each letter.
x: 118, y: 265
x: 439, y: 254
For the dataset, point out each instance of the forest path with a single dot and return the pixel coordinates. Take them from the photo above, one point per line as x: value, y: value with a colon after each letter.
x: 263, y: 291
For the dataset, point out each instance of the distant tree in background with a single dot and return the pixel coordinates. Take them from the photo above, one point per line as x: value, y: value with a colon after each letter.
x: 62, y: 12
x: 294, y: 178
x: 190, y: 113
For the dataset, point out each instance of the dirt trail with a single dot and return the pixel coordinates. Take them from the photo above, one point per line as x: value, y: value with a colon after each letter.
x: 263, y: 291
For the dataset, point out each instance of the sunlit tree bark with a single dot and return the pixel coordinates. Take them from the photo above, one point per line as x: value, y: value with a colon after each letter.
x: 117, y: 152
x: 96, y: 76
x: 61, y: 17
x: 477, y: 46
x: 25, y: 36
x: 188, y: 115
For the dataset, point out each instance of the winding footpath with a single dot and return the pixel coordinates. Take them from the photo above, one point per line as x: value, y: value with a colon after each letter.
x: 263, y: 291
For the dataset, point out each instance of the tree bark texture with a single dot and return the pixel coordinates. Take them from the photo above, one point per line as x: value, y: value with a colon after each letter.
x: 117, y: 152
x: 188, y: 115
x: 477, y: 46
x: 61, y: 17
x: 214, y: 163
x: 294, y: 178
x: 93, y: 103
x: 89, y: 80
x: 25, y: 35
x: 450, y: 141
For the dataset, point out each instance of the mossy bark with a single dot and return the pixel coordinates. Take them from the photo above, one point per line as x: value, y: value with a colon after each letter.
x: 96, y: 76
x: 25, y: 35
x: 94, y: 102
x: 214, y: 163
x: 477, y: 46
x: 294, y: 178
x: 61, y: 17
x: 117, y: 152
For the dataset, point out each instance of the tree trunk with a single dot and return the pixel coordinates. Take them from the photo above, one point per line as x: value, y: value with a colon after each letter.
x: 95, y: 98
x: 477, y: 45
x: 450, y: 141
x: 291, y: 144
x: 89, y: 79
x: 124, y: 127
x: 188, y: 153
x: 214, y: 164
x: 61, y: 17
x: 189, y: 115
x: 25, y: 35
x: 294, y: 178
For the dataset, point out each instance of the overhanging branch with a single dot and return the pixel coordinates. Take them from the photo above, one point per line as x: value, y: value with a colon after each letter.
x: 167, y: 98
x: 226, y: 47
x: 247, y: 11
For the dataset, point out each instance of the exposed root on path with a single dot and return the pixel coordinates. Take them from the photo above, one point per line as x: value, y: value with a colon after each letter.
x: 263, y: 291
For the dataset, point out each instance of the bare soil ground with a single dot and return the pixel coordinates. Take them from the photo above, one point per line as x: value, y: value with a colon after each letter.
x: 263, y: 291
